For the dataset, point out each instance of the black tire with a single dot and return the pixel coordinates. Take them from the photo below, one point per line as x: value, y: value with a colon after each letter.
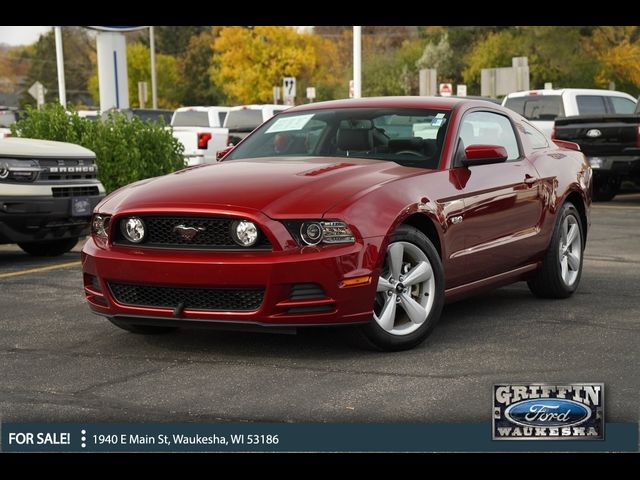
x: 141, y: 329
x: 605, y: 189
x: 548, y: 281
x: 49, y: 248
x: 373, y: 336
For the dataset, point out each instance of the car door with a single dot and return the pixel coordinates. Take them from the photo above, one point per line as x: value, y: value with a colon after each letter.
x: 502, y: 201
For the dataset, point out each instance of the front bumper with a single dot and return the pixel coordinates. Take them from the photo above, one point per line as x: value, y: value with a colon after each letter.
x: 275, y: 271
x: 37, y: 218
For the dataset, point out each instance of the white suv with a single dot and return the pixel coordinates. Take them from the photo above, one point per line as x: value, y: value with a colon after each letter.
x: 541, y: 107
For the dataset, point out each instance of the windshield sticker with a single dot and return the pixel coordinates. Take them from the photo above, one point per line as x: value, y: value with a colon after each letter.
x: 289, y: 124
x: 436, y: 122
x: 440, y: 115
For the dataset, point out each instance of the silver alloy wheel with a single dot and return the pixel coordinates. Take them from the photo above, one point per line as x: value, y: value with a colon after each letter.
x: 570, y: 250
x: 406, y: 281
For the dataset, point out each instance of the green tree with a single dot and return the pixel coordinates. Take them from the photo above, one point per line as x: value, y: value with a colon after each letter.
x: 79, y: 50
x: 174, y: 39
x: 249, y: 62
x: 555, y: 54
x: 617, y: 50
x: 439, y: 55
x: 194, y: 81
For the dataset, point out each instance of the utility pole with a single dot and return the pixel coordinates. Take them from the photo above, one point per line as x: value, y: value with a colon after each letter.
x: 62, y: 92
x: 357, y: 62
x: 154, y: 85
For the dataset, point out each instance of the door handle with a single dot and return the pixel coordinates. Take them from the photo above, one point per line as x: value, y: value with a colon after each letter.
x: 529, y: 180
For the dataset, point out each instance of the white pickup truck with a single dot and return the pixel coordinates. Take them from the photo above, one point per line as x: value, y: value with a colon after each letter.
x: 201, y: 132
x: 243, y: 120
x: 542, y: 107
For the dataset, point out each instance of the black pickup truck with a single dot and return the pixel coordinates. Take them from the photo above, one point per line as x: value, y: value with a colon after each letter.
x: 612, y: 145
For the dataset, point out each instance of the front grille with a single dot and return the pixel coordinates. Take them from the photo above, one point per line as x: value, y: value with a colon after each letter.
x: 75, y: 191
x: 227, y: 299
x: 62, y: 169
x: 215, y: 233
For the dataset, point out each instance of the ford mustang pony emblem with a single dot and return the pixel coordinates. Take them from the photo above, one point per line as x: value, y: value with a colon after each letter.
x: 188, y: 233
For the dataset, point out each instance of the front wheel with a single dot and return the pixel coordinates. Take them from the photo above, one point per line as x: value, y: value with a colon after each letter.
x: 49, y: 248
x: 410, y: 293
x: 561, y: 268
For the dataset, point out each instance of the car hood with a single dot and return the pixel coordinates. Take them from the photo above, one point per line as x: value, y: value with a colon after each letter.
x: 279, y: 187
x: 30, y: 147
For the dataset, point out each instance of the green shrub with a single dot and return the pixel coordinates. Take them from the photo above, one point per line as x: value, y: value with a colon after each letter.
x: 126, y: 150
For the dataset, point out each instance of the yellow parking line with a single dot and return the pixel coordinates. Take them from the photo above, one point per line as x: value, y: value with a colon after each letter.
x: 40, y: 269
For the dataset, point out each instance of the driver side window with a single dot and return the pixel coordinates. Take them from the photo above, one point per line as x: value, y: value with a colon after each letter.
x: 486, y: 128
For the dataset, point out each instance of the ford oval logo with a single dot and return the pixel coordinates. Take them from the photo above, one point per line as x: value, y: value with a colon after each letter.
x: 548, y: 412
x: 594, y: 133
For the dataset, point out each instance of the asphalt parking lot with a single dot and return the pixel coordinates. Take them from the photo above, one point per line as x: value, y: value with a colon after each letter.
x: 59, y: 362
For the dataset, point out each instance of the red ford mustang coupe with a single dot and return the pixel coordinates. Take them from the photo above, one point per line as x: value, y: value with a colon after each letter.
x: 369, y: 212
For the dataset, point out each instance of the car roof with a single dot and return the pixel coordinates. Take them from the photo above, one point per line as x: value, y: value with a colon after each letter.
x: 203, y: 109
x: 560, y: 91
x: 442, y: 103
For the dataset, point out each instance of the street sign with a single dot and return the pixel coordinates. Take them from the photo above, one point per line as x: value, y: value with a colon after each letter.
x: 548, y: 85
x: 446, y: 89
x: 311, y: 93
x: 351, y: 89
x: 461, y: 90
x: 38, y: 92
x: 289, y: 89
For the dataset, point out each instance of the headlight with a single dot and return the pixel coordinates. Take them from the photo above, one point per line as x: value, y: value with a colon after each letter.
x: 314, y: 232
x: 19, y: 170
x: 244, y: 233
x: 99, y: 226
x: 311, y: 233
x: 133, y: 229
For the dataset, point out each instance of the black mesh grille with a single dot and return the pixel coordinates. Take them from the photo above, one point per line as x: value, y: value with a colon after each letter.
x: 195, y: 298
x: 213, y: 233
x: 306, y: 291
x: 75, y: 191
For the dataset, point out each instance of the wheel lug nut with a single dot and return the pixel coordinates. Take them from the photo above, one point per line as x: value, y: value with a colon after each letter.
x: 390, y: 293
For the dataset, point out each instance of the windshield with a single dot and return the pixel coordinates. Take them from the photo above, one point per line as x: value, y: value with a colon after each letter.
x: 243, y: 120
x: 191, y: 119
x: 406, y: 136
x: 7, y: 118
x: 537, y: 107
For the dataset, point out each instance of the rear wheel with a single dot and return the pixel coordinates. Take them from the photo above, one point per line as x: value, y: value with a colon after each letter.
x: 410, y: 293
x: 50, y: 248
x: 561, y: 268
x: 141, y: 329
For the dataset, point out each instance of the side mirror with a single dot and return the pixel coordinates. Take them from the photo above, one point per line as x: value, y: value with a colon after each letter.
x: 483, y: 155
x: 224, y: 152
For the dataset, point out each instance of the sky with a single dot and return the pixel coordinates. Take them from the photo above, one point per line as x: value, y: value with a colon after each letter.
x: 28, y: 35
x: 21, y: 35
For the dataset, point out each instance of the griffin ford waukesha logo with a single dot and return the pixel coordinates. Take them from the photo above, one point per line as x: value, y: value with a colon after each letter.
x: 573, y: 411
x: 188, y: 233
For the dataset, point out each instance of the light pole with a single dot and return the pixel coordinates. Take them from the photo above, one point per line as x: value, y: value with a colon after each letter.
x: 154, y: 85
x: 357, y: 62
x: 62, y: 92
